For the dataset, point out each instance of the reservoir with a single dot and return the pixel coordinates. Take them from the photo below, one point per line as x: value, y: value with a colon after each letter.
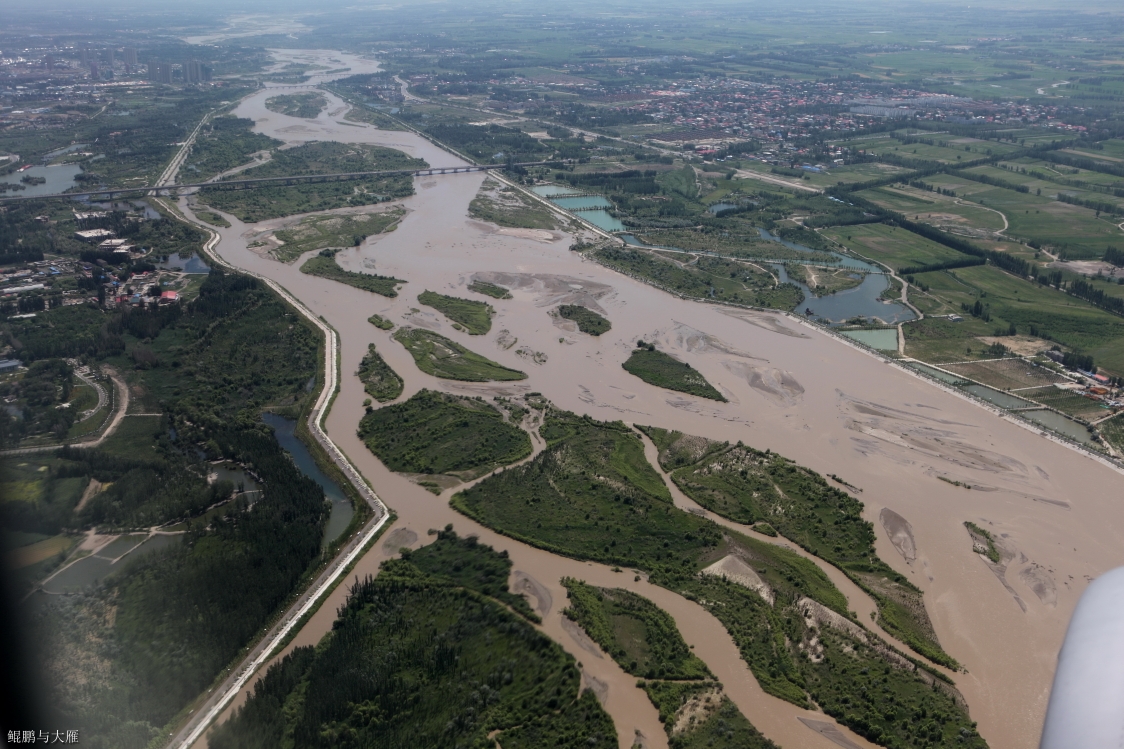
x: 342, y: 511
x: 59, y: 178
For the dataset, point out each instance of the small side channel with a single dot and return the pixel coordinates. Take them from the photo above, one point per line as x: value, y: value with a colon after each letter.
x: 342, y: 510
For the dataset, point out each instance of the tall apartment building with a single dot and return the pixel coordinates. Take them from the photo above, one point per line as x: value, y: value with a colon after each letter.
x: 130, y: 55
x: 160, y: 72
x: 84, y: 56
x: 192, y: 71
x: 109, y: 57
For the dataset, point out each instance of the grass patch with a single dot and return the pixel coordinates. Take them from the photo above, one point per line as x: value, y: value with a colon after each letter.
x: 464, y: 669
x: 213, y: 219
x: 660, y: 369
x: 696, y: 715
x: 322, y: 232
x: 588, y: 321
x: 443, y: 434
x: 708, y: 278
x: 437, y: 355
x: 638, y: 635
x: 307, y: 106
x: 983, y: 542
x: 506, y: 206
x: 380, y: 322
x: 327, y: 267
x: 728, y: 240
x: 380, y: 381
x: 475, y: 316
x: 895, y: 247
x: 489, y: 289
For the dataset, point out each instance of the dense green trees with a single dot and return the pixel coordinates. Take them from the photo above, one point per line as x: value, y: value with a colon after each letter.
x: 421, y: 658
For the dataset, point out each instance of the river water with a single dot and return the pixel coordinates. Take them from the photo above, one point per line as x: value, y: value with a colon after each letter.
x: 342, y: 511
x: 882, y: 428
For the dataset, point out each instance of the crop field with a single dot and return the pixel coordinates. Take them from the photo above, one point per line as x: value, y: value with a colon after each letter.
x: 438, y: 356
x: 1033, y: 309
x: 1113, y: 432
x: 849, y: 173
x: 1074, y: 230
x: 896, y: 247
x: 1008, y: 374
x: 323, y: 232
x: 1069, y: 403
x: 942, y: 211
x: 327, y: 267
x: 467, y: 314
x: 660, y: 369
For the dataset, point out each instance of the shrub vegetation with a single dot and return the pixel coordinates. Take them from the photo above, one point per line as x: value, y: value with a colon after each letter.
x: 437, y: 355
x: 660, y: 369
x: 437, y: 433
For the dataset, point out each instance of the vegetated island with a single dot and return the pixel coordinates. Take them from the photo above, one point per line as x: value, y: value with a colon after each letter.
x: 323, y: 232
x: 380, y: 322
x: 754, y: 487
x: 489, y: 289
x: 436, y: 433
x: 476, y: 317
x: 983, y: 542
x: 427, y: 654
x: 662, y: 370
x: 321, y: 157
x: 592, y: 495
x: 380, y: 381
x: 306, y: 106
x: 325, y: 266
x: 438, y: 356
x: 644, y: 640
x: 588, y: 321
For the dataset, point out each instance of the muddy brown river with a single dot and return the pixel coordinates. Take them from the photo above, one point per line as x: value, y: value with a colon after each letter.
x: 791, y: 388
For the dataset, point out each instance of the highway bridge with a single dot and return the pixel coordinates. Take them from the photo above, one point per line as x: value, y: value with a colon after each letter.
x: 110, y: 193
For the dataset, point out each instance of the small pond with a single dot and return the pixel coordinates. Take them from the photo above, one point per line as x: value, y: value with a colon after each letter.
x: 190, y: 264
x: 550, y: 190
x: 885, y: 339
x: 937, y: 374
x: 93, y: 569
x: 996, y: 397
x: 861, y: 301
x: 342, y: 511
x: 1056, y: 422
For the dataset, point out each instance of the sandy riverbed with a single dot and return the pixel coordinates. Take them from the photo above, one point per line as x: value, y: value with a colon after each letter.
x: 791, y: 388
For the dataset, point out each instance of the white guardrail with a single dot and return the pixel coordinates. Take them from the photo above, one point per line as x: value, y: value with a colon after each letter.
x: 331, y: 382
